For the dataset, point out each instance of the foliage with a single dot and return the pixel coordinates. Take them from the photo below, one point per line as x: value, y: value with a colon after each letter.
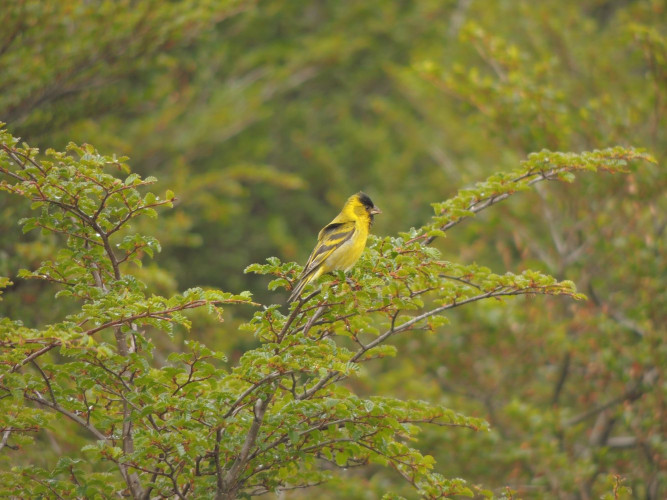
x: 264, y: 117
x: 190, y: 426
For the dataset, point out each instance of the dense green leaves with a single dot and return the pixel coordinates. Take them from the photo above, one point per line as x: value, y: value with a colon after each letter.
x: 191, y: 426
x: 263, y: 118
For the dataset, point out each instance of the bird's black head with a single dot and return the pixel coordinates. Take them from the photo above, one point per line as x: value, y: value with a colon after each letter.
x: 368, y: 204
x: 365, y: 200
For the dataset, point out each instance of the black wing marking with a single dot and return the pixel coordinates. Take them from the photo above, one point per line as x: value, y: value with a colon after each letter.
x: 330, y: 239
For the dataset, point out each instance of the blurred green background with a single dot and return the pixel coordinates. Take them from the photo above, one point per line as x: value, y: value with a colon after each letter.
x: 264, y: 117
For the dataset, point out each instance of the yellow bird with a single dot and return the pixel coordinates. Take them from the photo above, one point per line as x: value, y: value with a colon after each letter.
x: 340, y: 243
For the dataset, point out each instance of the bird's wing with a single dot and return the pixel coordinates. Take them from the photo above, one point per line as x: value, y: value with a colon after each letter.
x: 331, y: 237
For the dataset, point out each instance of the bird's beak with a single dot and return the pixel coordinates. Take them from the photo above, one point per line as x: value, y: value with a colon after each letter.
x: 375, y: 210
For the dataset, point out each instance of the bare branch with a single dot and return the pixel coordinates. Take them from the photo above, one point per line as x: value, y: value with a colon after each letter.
x: 232, y: 476
x: 5, y: 438
x: 562, y: 377
x: 634, y: 391
x: 46, y: 380
x: 73, y: 416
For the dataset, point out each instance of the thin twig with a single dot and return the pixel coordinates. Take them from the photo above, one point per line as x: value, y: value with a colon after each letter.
x: 46, y: 380
x: 73, y: 416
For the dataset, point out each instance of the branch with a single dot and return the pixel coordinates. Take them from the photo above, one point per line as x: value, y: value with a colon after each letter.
x: 622, y: 442
x: 5, y: 438
x: 480, y: 205
x: 562, y: 377
x: 469, y: 283
x: 405, y: 326
x: 161, y: 314
x: 232, y: 475
x: 497, y: 292
x: 73, y: 416
x: 216, y: 456
x: 251, y: 389
x: 46, y: 380
x: 633, y: 392
x: 32, y: 357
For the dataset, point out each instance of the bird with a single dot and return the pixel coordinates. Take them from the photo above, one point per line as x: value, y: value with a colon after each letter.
x: 339, y: 243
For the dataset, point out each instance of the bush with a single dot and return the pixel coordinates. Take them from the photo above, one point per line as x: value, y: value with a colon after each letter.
x: 286, y: 414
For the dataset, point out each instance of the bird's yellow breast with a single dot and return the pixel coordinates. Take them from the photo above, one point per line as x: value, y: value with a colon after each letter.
x: 347, y: 255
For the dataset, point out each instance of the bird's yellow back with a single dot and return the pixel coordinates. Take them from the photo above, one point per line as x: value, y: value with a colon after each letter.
x: 344, y: 257
x: 341, y: 242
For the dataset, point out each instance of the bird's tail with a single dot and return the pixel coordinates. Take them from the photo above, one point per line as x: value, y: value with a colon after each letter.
x: 298, y: 289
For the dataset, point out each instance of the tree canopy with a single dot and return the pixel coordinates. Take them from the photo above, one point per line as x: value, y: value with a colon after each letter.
x: 138, y: 357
